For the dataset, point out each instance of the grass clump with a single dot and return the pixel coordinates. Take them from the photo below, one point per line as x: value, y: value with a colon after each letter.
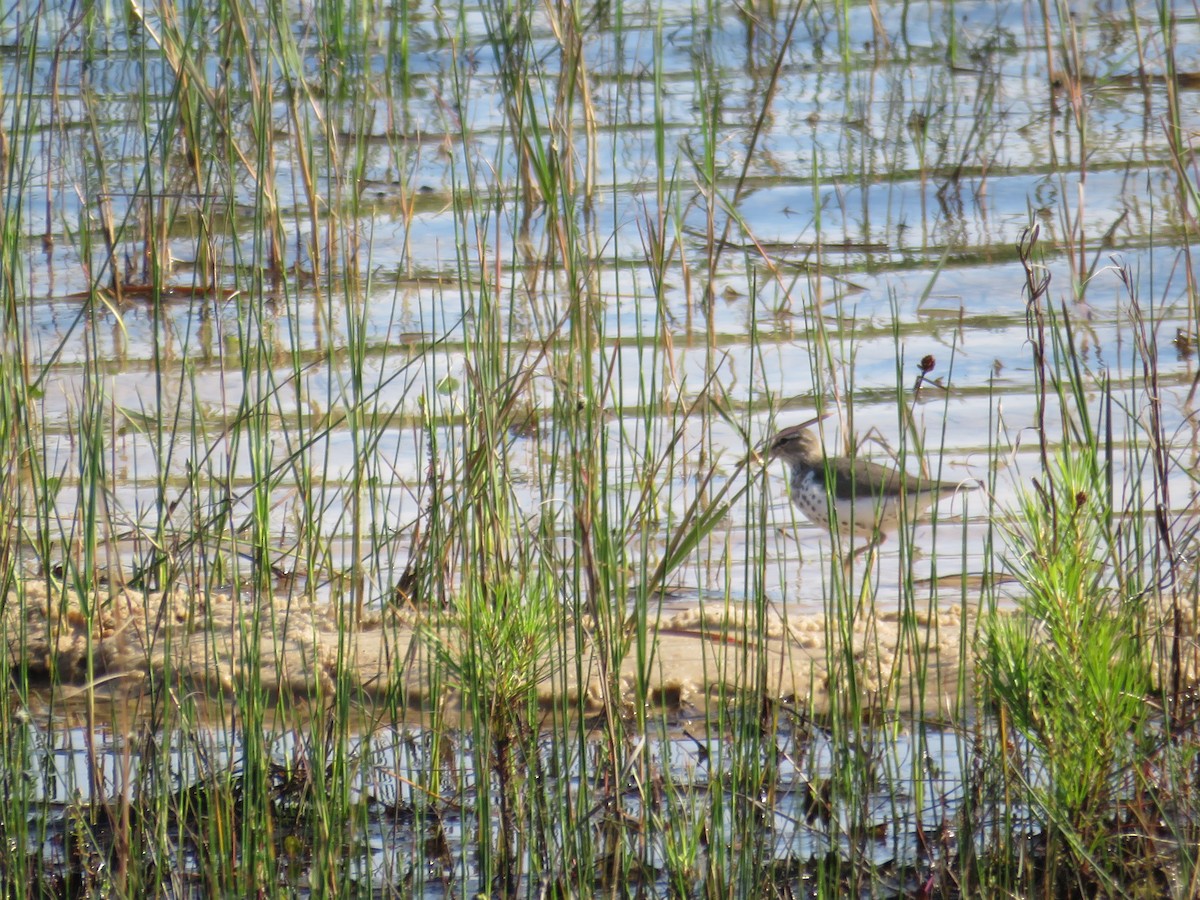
x: 496, y: 657
x: 1071, y: 669
x: 1069, y: 673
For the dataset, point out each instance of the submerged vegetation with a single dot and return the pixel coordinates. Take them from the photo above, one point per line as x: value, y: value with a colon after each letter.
x: 443, y: 338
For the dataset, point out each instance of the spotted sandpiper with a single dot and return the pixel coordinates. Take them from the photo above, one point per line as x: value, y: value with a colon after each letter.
x: 866, y: 495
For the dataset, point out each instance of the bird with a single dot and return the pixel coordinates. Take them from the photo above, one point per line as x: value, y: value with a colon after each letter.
x: 866, y: 495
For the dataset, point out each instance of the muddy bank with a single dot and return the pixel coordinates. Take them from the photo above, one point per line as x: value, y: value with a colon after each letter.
x: 213, y: 644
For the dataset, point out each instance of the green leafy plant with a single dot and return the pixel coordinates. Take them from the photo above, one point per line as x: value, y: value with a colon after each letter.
x: 1068, y: 671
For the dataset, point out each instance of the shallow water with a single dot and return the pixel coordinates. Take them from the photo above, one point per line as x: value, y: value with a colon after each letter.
x: 894, y: 825
x: 926, y: 175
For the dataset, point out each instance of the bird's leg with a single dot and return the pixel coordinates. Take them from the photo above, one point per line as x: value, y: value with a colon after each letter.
x: 870, y: 545
x: 870, y: 550
x: 848, y: 562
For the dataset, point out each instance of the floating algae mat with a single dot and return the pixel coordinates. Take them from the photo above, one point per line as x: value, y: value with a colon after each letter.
x: 290, y: 645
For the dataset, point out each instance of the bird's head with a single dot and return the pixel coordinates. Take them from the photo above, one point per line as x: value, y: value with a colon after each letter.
x: 796, y: 445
